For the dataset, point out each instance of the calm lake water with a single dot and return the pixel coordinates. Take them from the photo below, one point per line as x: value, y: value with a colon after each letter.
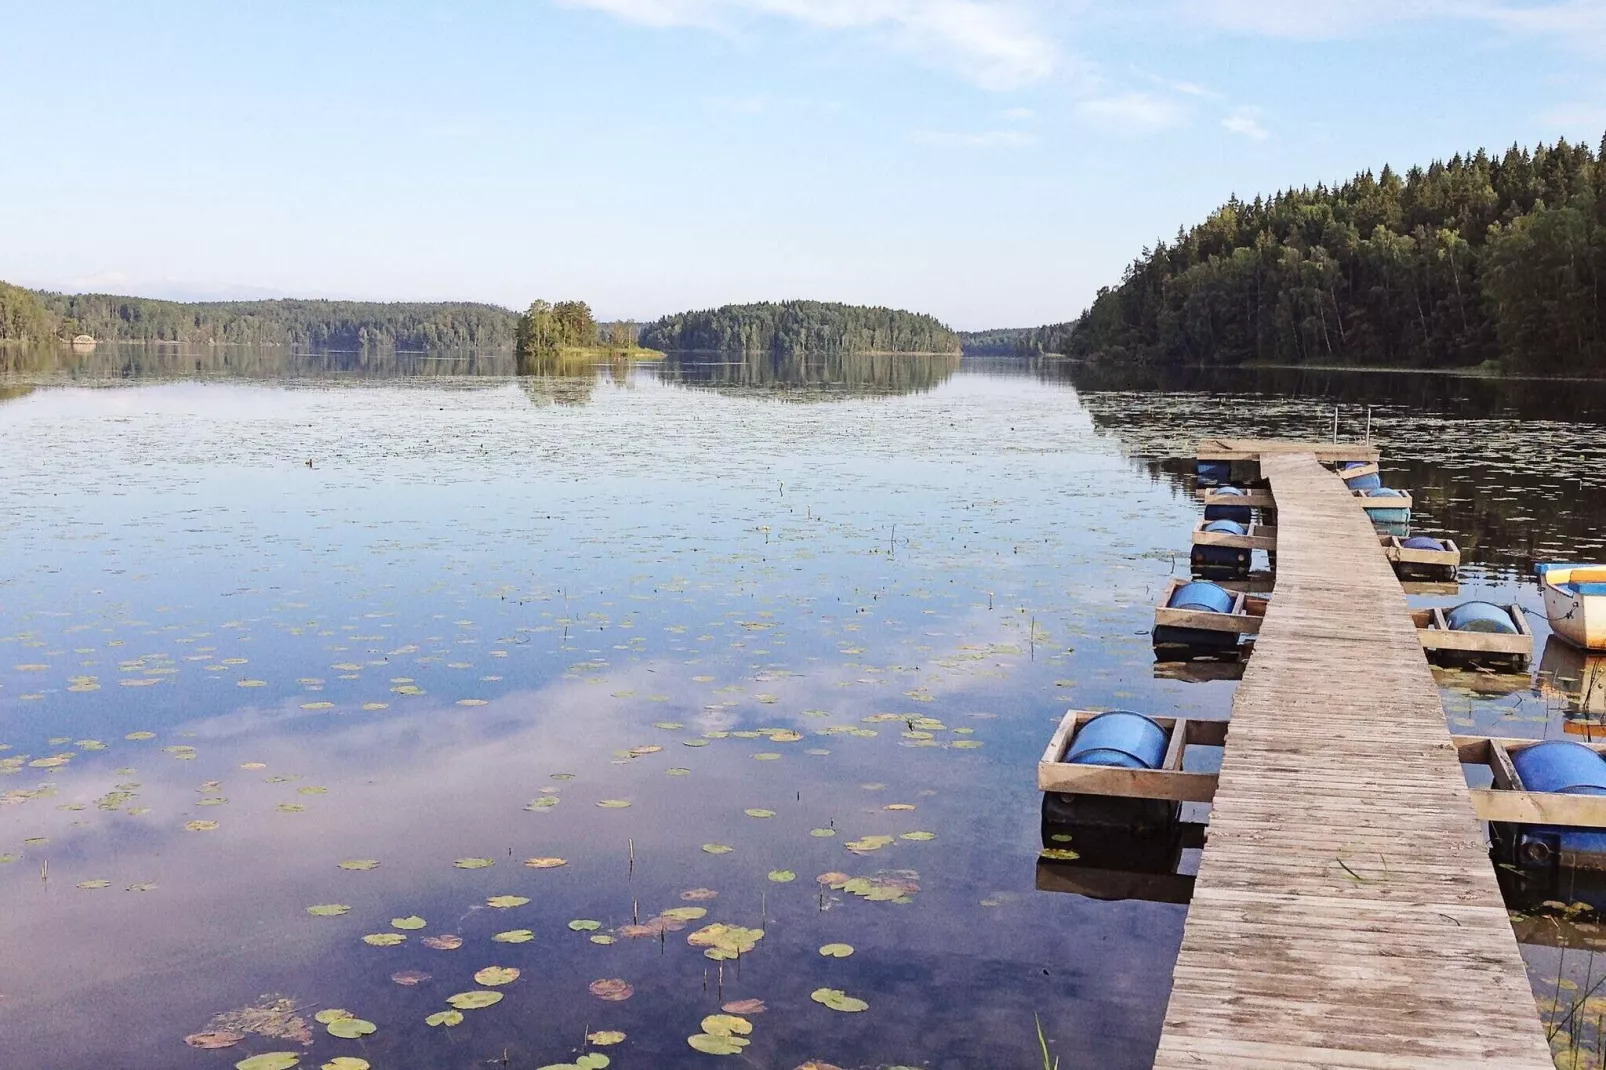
x: 707, y: 634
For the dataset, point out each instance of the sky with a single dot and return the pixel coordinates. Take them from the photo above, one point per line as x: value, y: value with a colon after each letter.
x: 992, y: 162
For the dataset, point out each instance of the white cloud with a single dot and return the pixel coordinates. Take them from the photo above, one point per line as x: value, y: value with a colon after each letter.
x: 1131, y: 112
x: 1245, y: 122
x: 993, y: 43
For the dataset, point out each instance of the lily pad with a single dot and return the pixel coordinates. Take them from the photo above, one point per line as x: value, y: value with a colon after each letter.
x: 918, y: 837
x: 593, y: 1060
x: 474, y: 1001
x: 822, y: 833
x: 612, y: 989
x: 272, y: 1060
x: 214, y: 1039
x: 384, y: 939
x: 446, y: 1018
x: 444, y: 942
x: 474, y: 863
x: 346, y: 1062
x: 585, y: 925
x: 721, y: 941
x: 757, y: 812
x: 331, y: 1014
x: 837, y: 951
x: 329, y: 910
x: 614, y: 804
x: 200, y: 826
x: 838, y: 1000
x: 545, y: 863
x: 101, y: 883
x: 709, y: 1044
x: 409, y: 978
x: 606, y: 1038
x: 496, y: 976
x: 412, y: 921
x: 350, y: 1028
x: 506, y: 902
x: 745, y: 1007
x: 782, y: 876
x: 727, y: 1025
x: 684, y: 913
x: 514, y: 936
x: 717, y: 848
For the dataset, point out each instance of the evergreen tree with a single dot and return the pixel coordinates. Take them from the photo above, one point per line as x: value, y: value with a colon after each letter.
x: 1465, y: 262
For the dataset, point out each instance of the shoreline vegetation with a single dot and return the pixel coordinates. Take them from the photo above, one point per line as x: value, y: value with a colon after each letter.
x: 1482, y: 265
x: 1483, y: 261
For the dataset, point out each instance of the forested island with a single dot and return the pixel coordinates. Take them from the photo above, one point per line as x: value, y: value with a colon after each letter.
x: 1481, y: 260
x: 799, y: 328
x: 314, y: 325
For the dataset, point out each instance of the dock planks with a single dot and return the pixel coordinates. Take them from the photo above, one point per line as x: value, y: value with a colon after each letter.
x: 1345, y: 913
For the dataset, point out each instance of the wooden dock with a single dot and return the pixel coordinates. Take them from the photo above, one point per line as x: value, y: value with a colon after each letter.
x: 1345, y: 913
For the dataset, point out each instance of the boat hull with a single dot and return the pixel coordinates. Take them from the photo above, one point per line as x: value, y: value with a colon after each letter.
x: 1577, y: 616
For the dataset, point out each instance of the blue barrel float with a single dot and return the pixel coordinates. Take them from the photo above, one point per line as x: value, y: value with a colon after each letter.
x: 1370, y: 481
x: 1204, y: 597
x: 1481, y: 617
x: 1221, y: 560
x: 1439, y: 570
x: 1567, y: 768
x: 1240, y: 514
x: 1120, y: 738
x: 1213, y: 473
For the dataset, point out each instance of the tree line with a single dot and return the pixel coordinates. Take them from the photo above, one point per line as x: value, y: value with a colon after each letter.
x: 799, y: 328
x: 313, y: 325
x: 1481, y: 260
x: 1017, y: 341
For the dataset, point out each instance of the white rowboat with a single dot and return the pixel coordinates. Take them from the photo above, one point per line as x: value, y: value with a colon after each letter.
x: 1575, y: 602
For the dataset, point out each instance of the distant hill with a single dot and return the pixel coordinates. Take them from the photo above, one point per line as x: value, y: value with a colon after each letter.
x: 1017, y: 341
x: 316, y: 325
x: 790, y: 328
x: 1481, y: 260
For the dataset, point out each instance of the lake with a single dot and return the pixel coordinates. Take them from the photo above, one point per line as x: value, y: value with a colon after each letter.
x: 327, y: 683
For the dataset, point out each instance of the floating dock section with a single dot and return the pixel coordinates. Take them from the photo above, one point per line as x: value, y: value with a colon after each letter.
x: 1345, y: 913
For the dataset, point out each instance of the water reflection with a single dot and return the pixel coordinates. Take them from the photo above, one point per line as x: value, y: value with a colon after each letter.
x: 1574, y: 679
x: 814, y: 378
x: 482, y: 584
x: 390, y: 655
x: 1513, y: 470
x: 124, y: 361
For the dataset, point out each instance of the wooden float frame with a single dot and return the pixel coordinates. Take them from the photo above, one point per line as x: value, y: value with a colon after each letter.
x: 1367, y: 469
x: 1168, y: 783
x: 1398, y: 553
x: 1433, y: 630
x: 1378, y: 505
x: 1252, y: 449
x: 1244, y: 618
x: 1260, y: 537
x: 1510, y: 802
x: 1252, y: 498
